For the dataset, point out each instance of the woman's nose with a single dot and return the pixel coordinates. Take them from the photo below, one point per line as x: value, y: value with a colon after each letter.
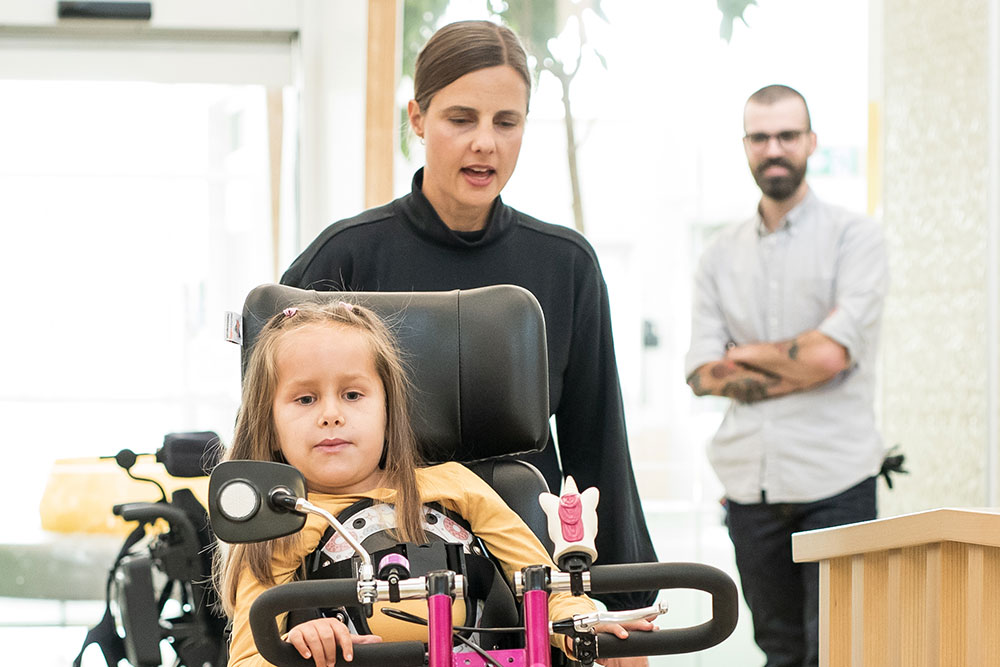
x: 483, y: 141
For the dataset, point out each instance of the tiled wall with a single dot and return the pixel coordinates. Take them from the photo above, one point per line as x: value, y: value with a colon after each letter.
x: 936, y: 216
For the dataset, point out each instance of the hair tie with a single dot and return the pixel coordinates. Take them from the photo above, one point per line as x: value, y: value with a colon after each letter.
x: 288, y: 312
x: 346, y: 306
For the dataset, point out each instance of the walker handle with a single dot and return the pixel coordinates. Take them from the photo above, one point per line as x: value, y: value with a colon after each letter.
x: 314, y: 595
x: 645, y: 576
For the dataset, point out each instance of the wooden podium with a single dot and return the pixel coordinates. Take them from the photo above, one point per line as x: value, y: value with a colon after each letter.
x: 919, y: 590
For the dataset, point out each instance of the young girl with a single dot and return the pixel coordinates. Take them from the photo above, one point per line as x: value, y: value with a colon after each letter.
x: 325, y: 391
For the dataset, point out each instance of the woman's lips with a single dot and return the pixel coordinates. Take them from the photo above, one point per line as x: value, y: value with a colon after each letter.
x: 478, y: 176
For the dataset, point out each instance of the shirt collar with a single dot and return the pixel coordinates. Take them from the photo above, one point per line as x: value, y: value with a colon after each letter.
x: 793, y: 220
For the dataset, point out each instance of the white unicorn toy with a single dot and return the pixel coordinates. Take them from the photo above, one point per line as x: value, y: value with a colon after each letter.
x: 572, y: 522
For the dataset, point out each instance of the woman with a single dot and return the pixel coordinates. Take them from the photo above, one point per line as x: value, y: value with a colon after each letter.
x: 471, y: 93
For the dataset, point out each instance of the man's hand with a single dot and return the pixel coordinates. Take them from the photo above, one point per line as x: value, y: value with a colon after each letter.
x: 736, y: 381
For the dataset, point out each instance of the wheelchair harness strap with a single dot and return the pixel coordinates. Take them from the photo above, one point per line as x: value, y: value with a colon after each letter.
x: 450, y: 545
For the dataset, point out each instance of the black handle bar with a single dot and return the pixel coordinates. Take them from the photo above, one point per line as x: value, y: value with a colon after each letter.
x: 603, y: 579
x: 313, y: 595
x: 149, y: 512
x: 662, y: 576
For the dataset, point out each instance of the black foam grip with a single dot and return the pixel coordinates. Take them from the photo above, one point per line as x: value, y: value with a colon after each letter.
x: 312, y: 595
x: 646, y: 576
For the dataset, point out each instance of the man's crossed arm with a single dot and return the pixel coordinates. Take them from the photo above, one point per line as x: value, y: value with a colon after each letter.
x: 754, y: 372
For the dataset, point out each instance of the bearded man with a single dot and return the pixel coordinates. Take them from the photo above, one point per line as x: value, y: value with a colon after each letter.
x: 786, y: 316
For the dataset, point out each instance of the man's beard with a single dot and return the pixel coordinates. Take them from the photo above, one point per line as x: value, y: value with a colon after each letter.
x: 779, y: 188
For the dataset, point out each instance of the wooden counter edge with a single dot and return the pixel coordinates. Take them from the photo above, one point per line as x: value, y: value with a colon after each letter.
x: 968, y: 525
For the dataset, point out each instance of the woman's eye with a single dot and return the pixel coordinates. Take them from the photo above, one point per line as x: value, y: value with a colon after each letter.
x: 460, y: 121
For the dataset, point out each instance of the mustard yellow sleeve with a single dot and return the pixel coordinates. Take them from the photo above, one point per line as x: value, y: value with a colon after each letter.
x: 242, y: 650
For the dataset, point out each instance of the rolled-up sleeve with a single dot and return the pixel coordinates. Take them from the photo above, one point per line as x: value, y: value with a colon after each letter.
x: 861, y: 285
x: 709, y: 333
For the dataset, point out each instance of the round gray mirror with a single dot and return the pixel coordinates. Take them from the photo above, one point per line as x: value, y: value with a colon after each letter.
x: 238, y: 500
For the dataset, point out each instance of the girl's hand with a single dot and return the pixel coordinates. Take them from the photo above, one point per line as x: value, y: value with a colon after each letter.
x: 621, y: 631
x: 318, y: 639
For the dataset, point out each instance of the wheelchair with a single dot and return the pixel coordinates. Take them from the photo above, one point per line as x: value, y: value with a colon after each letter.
x: 159, y: 586
x: 478, y: 365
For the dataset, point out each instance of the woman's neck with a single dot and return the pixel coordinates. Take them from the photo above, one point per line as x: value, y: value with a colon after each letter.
x: 456, y: 216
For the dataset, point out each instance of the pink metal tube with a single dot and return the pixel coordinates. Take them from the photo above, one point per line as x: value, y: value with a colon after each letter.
x: 536, y: 625
x: 439, y: 631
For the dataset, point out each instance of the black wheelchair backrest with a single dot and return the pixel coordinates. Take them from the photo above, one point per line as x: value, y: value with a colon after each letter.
x: 477, y: 359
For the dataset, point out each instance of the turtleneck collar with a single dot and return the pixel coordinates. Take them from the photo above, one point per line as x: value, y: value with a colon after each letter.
x: 422, y: 217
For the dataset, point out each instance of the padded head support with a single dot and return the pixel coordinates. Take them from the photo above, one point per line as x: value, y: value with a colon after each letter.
x: 477, y: 358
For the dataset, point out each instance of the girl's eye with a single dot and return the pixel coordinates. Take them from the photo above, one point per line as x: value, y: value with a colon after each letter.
x: 352, y: 395
x: 305, y: 400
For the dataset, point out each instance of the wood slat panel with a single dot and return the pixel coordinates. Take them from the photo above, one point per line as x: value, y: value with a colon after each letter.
x: 912, y: 597
x: 875, y: 610
x: 840, y: 604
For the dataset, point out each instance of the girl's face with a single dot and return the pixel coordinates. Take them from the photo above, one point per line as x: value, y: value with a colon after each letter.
x: 472, y: 128
x: 329, y: 408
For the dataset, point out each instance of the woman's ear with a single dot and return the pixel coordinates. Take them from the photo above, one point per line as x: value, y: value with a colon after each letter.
x: 416, y: 118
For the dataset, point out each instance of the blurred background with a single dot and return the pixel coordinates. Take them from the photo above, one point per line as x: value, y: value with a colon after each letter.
x: 152, y: 173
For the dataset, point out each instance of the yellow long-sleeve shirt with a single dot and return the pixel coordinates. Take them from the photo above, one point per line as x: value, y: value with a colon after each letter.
x: 454, y: 486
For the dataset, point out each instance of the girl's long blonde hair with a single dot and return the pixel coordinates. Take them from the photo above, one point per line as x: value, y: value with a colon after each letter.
x: 255, y: 436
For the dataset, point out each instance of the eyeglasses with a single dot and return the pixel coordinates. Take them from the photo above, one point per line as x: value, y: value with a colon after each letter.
x: 786, y: 139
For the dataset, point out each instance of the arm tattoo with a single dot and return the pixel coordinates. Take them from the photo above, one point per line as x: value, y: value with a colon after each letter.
x: 747, y: 390
x: 793, y: 350
x: 694, y: 381
x: 723, y: 369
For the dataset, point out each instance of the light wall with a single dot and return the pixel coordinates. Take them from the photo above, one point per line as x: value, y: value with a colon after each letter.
x: 934, y: 62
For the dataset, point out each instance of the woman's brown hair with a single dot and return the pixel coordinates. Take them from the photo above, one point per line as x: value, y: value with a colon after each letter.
x: 255, y: 437
x: 462, y: 47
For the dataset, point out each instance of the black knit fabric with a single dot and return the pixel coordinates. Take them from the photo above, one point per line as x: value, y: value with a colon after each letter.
x: 405, y: 246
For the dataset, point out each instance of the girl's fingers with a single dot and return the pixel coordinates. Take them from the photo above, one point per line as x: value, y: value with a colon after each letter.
x: 318, y: 639
x: 308, y: 642
x: 342, y: 636
x: 612, y: 629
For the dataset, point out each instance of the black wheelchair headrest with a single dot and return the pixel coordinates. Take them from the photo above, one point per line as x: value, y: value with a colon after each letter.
x: 477, y: 358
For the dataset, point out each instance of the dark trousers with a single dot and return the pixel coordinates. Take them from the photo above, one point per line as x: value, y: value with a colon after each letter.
x: 783, y: 596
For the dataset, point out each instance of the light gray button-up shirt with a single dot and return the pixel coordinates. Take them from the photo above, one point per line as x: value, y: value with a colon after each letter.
x: 824, y: 268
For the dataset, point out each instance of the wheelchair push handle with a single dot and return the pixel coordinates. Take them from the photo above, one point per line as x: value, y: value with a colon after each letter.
x: 150, y: 512
x: 314, y: 595
x: 662, y: 576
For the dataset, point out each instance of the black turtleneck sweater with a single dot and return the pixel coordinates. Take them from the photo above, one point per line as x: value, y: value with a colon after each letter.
x: 404, y: 246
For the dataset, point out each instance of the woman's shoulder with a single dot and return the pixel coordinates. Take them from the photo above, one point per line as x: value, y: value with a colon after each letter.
x: 561, y: 237
x: 365, y: 221
x: 340, y: 241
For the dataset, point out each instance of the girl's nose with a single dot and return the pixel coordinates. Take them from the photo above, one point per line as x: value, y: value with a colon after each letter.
x: 332, y: 415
